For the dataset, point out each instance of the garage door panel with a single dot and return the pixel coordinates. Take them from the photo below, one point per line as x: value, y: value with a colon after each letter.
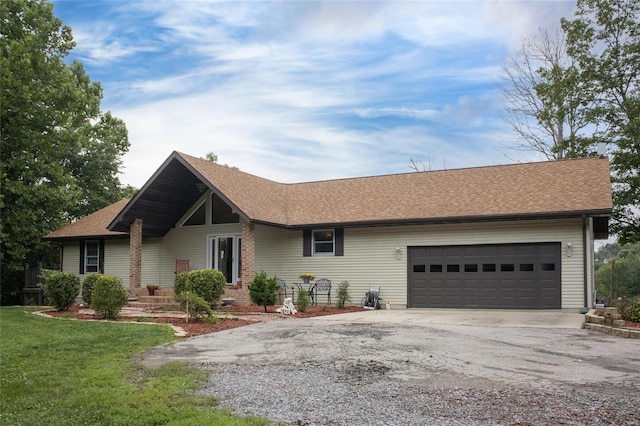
x: 508, y: 276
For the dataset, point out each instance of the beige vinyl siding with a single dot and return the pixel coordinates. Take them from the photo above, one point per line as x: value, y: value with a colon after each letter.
x: 151, y: 261
x: 116, y: 259
x: 370, y: 255
x: 71, y: 257
x: 188, y: 242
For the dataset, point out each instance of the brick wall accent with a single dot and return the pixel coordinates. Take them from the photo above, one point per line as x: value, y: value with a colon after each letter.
x: 135, y: 256
x: 240, y: 292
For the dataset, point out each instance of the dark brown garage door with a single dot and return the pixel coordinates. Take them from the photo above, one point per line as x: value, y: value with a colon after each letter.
x: 501, y: 276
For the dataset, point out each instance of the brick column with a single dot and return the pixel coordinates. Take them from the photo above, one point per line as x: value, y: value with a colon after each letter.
x: 248, y: 252
x: 135, y: 256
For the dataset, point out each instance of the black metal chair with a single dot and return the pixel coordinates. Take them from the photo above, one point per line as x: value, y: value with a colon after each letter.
x: 320, y: 288
x: 285, y: 290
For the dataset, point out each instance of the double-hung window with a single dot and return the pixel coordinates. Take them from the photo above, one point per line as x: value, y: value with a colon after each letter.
x: 323, y: 241
x: 92, y: 256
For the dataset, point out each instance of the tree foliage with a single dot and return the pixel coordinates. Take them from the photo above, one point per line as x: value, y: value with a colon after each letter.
x: 60, y: 154
x: 547, y: 106
x: 588, y: 79
x: 619, y: 276
x: 604, y: 39
x: 108, y: 296
x: 206, y: 283
x: 60, y: 288
x: 262, y: 290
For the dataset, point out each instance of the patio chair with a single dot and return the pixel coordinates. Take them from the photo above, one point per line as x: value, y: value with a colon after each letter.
x: 285, y: 291
x: 182, y: 265
x: 321, y: 287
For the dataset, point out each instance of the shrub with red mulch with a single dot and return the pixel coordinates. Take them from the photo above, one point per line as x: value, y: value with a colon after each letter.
x: 196, y: 328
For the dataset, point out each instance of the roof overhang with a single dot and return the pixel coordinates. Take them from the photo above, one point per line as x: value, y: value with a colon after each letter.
x: 112, y: 236
x: 602, y: 214
x: 165, y: 198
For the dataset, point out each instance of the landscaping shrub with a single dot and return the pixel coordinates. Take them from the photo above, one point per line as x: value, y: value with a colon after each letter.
x: 343, y: 294
x: 206, y: 283
x: 60, y: 288
x: 87, y: 287
x: 629, y: 308
x: 195, y: 306
x: 109, y: 296
x: 303, y: 300
x: 262, y: 290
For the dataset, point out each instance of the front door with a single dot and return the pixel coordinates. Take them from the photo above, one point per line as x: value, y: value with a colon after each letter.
x: 224, y: 255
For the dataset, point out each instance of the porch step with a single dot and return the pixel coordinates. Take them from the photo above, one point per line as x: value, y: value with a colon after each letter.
x: 161, y: 298
x: 137, y: 304
x: 168, y: 292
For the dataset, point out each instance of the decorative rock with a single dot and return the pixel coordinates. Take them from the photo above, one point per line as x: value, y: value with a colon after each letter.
x: 288, y: 308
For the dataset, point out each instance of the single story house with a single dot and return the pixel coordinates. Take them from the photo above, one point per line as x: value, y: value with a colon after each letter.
x: 514, y: 236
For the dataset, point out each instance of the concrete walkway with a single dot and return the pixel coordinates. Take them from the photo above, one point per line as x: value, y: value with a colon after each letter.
x: 497, y: 318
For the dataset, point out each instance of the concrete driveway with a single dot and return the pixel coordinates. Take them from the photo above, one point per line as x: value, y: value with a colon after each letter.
x: 449, y: 347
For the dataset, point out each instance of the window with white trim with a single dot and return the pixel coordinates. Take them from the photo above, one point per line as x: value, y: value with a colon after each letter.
x: 92, y: 256
x: 323, y: 241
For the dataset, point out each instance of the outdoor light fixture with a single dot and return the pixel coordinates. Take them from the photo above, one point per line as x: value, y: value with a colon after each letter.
x: 569, y: 249
x: 201, y: 186
x: 398, y: 253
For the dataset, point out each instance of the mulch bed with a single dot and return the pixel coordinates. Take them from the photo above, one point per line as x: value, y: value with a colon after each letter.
x: 196, y: 328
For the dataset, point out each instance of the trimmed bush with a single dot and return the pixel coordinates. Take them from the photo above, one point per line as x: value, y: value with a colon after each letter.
x: 262, y: 290
x: 629, y: 308
x: 109, y: 296
x: 303, y: 300
x: 87, y: 287
x: 60, y: 288
x: 195, y: 306
x: 343, y: 294
x: 206, y: 283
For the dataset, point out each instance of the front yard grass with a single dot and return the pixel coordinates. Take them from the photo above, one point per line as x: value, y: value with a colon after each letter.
x: 60, y: 372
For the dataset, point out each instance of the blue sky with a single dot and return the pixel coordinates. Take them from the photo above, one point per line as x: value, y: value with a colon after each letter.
x: 296, y: 90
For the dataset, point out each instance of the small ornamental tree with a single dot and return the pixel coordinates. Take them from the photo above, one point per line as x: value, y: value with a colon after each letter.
x: 60, y: 288
x: 87, y: 287
x: 343, y: 294
x: 303, y: 300
x: 262, y: 290
x: 108, y: 297
x: 206, y: 283
x: 195, y: 307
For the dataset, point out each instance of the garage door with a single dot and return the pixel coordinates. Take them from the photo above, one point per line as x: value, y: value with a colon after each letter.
x: 501, y: 276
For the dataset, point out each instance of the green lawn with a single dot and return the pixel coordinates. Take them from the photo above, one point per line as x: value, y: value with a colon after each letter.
x: 59, y: 372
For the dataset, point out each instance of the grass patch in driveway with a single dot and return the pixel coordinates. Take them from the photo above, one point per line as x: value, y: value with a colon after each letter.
x: 61, y: 372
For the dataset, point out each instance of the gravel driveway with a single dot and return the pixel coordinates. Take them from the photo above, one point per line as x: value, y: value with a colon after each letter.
x: 339, y: 371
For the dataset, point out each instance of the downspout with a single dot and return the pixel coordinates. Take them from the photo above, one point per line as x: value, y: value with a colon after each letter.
x: 584, y: 260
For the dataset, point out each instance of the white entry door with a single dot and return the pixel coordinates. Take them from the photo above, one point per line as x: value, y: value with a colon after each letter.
x: 224, y: 255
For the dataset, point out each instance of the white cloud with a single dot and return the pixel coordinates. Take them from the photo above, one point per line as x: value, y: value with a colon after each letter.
x: 416, y: 113
x: 274, y: 88
x: 98, y: 45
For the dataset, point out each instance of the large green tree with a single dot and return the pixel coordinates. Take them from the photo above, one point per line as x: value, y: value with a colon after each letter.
x: 604, y: 39
x: 620, y: 274
x: 60, y: 154
x: 546, y: 104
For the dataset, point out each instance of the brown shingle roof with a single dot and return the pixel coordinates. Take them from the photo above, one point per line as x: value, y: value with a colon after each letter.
x: 258, y: 198
x: 565, y: 187
x: 546, y: 189
x: 93, y: 225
